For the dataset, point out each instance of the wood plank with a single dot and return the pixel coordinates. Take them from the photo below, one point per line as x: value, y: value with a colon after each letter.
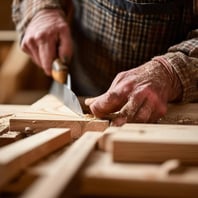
x: 8, y: 35
x: 69, y: 163
x: 10, y: 137
x: 140, y: 128
x: 12, y: 71
x: 4, y: 124
x: 49, y: 112
x: 103, y: 177
x: 6, y: 111
x: 103, y: 142
x: 156, y: 143
x: 17, y: 156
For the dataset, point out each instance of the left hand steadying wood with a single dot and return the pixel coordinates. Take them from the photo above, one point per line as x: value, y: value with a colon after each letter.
x: 139, y: 95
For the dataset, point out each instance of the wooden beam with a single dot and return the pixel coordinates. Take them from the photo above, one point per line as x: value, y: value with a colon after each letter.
x: 8, y: 35
x: 103, y: 142
x: 156, y: 143
x: 49, y: 112
x: 103, y: 177
x: 6, y: 111
x: 12, y: 71
x: 17, y: 156
x: 65, y: 168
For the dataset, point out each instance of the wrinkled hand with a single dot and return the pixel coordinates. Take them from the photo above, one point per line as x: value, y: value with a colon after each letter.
x: 138, y: 95
x: 47, y: 36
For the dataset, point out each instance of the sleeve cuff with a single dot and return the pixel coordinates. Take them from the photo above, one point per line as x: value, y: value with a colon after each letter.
x: 187, y: 71
x: 23, y: 13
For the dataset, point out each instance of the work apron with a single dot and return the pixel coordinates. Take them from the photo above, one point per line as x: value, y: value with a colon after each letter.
x: 111, y: 36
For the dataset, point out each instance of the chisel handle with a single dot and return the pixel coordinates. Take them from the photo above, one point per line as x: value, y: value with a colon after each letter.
x: 59, y: 71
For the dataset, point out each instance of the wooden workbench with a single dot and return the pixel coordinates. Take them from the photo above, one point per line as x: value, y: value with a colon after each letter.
x: 36, y: 162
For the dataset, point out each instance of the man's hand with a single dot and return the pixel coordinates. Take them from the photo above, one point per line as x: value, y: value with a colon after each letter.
x: 138, y: 95
x: 47, y: 36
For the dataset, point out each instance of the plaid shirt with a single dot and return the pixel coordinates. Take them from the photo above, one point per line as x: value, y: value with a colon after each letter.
x: 117, y: 35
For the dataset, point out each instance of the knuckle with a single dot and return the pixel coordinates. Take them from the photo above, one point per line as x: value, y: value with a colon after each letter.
x: 39, y: 36
x: 162, y: 110
x: 63, y: 27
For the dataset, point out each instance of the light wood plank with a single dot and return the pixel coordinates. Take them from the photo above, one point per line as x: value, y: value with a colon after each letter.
x: 49, y: 112
x: 6, y: 35
x: 156, y: 143
x: 13, y: 68
x: 103, y: 177
x: 141, y: 128
x: 19, y: 155
x: 103, y: 142
x: 6, y: 111
x: 68, y: 163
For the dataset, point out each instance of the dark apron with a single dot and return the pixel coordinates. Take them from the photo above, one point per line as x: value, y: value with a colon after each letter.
x: 116, y: 35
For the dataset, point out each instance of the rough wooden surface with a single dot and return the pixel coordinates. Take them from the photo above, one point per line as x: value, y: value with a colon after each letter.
x: 181, y: 114
x: 6, y: 112
x: 10, y: 137
x: 49, y: 112
x: 156, y: 143
x: 17, y: 156
x: 65, y: 168
x: 13, y: 68
x: 103, y: 177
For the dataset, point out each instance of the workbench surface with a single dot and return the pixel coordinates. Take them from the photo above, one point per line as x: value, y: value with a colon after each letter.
x: 59, y: 162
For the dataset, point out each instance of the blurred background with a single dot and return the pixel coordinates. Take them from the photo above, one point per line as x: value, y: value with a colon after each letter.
x: 21, y: 81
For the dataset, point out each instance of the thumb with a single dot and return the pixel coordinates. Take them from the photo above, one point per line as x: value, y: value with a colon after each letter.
x: 89, y: 101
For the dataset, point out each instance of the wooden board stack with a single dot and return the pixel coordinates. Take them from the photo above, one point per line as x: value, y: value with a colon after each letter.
x: 144, y: 160
x: 67, y: 155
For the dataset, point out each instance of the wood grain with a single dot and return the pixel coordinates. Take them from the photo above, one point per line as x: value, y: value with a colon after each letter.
x: 17, y: 156
x: 49, y: 112
x: 103, y: 177
x: 156, y: 143
x: 65, y: 168
x: 178, y: 113
x: 13, y: 68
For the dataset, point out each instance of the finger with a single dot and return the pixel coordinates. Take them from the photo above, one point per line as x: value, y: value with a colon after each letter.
x: 30, y: 48
x: 89, y: 101
x: 132, y: 107
x: 106, y: 103
x: 144, y: 113
x: 47, y: 53
x: 159, y: 112
x: 128, y: 111
x: 65, y: 48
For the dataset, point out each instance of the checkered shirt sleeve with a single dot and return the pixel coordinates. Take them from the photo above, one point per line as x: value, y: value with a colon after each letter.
x: 183, y: 57
x: 24, y: 10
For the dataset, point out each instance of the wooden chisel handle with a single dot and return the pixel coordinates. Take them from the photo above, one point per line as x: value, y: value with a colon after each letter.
x: 59, y: 71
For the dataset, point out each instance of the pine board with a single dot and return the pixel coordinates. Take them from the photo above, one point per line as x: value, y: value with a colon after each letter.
x: 49, y: 112
x: 103, y: 177
x: 155, y: 143
x: 69, y: 163
x: 19, y: 155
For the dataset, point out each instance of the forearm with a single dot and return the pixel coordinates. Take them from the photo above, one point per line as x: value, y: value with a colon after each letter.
x: 182, y: 59
x: 23, y: 11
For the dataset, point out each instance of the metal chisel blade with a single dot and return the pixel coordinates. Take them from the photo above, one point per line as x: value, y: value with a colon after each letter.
x: 64, y: 94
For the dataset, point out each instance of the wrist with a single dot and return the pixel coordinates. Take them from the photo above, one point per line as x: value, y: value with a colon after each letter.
x: 175, y: 90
